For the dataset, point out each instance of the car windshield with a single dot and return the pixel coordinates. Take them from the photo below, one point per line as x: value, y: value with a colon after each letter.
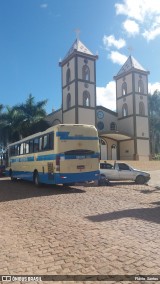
x: 131, y: 168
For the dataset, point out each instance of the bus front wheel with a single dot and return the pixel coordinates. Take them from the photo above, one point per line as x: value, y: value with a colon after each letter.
x: 36, y: 179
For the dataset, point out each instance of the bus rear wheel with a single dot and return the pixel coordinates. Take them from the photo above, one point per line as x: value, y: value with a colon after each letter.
x: 36, y: 179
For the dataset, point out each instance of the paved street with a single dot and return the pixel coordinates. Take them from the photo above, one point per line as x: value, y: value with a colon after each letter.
x: 155, y: 178
x: 79, y: 230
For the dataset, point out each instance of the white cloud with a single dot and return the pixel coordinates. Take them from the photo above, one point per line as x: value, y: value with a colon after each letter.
x: 44, y: 6
x: 143, y: 15
x: 106, y: 96
x: 117, y: 57
x: 131, y: 27
x: 151, y: 34
x: 139, y: 10
x: 111, y: 41
x: 131, y: 9
x: 153, y: 87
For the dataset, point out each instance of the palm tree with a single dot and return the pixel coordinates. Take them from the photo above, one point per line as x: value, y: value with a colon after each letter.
x: 22, y: 120
x: 1, y: 126
x: 12, y: 124
x: 33, y: 116
x: 1, y: 107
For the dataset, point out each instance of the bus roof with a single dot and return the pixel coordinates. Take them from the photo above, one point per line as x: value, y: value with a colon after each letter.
x: 50, y: 129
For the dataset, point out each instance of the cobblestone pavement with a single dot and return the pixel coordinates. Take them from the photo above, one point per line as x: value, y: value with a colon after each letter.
x: 155, y: 178
x: 109, y: 230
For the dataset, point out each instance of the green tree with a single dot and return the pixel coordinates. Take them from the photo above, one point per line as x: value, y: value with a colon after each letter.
x: 33, y: 116
x: 1, y: 108
x: 11, y: 124
x: 154, y: 121
x: 22, y: 120
x: 1, y: 126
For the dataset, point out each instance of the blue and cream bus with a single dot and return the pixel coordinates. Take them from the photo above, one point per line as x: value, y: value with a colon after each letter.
x: 63, y: 154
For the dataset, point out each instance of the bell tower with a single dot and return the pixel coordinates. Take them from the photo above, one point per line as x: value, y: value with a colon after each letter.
x: 78, y: 69
x: 132, y: 108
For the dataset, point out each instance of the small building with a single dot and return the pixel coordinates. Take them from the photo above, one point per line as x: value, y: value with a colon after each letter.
x: 124, y: 133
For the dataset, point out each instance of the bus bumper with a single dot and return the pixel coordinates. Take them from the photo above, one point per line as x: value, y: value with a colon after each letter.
x: 76, y: 177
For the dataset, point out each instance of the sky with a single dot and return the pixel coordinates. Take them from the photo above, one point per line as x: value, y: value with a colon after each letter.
x: 36, y: 34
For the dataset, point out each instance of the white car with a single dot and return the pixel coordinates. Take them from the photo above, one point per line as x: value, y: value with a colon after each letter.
x: 122, y: 171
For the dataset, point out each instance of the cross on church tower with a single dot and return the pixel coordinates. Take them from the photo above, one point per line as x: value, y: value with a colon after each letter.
x: 77, y: 31
x: 130, y: 49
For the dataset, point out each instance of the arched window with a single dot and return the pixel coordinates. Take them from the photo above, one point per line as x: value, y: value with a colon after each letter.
x: 100, y: 125
x: 140, y: 86
x: 113, y: 126
x: 85, y: 73
x: 124, y: 89
x: 102, y: 142
x: 124, y: 110
x: 56, y: 121
x: 141, y: 108
x: 68, y: 76
x: 68, y: 103
x: 114, y: 152
x: 86, y: 98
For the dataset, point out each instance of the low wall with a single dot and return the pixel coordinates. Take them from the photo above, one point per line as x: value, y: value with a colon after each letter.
x: 141, y: 165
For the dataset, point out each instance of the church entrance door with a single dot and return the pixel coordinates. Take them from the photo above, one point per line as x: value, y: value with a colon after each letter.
x: 103, y: 149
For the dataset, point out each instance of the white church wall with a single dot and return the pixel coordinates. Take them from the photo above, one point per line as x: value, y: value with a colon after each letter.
x: 142, y: 127
x: 86, y: 116
x: 127, y: 150
x: 126, y: 126
x: 69, y: 116
x: 143, y: 149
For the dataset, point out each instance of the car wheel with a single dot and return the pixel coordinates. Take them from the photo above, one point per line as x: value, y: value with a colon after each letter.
x: 103, y: 180
x: 140, y: 180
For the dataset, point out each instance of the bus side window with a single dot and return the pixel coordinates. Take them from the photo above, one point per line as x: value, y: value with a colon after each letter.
x: 17, y: 150
x: 51, y: 141
x: 31, y: 146
x: 26, y: 147
x: 12, y: 151
x: 36, y: 144
x: 40, y: 144
x: 21, y: 149
x: 48, y: 142
x: 45, y: 142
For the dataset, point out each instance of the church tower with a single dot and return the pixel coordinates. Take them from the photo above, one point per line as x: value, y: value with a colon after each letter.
x: 78, y: 69
x: 132, y: 109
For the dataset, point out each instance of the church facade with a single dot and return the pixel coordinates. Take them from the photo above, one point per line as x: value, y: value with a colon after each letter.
x: 124, y: 134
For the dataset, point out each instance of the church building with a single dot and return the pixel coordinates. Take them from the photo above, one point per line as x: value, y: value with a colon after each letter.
x: 124, y: 133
